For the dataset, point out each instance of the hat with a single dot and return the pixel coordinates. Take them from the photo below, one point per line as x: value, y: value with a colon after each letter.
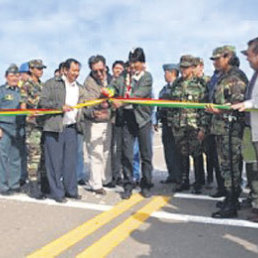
x: 24, y: 68
x: 186, y: 61
x: 137, y: 55
x: 13, y: 68
x: 37, y: 63
x: 170, y: 67
x: 198, y: 61
x: 220, y: 51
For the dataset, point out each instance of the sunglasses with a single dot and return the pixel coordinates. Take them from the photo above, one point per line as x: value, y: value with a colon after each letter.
x: 101, y: 71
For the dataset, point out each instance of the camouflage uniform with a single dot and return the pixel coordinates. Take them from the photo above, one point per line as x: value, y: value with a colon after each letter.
x: 230, y: 88
x: 186, y: 123
x: 30, y: 94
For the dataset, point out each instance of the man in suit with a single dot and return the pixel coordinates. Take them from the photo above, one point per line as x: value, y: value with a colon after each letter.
x: 251, y: 101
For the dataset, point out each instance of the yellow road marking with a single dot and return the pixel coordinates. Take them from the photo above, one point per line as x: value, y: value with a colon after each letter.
x: 61, y: 244
x: 107, y: 243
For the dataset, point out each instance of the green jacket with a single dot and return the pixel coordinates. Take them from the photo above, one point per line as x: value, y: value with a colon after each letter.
x: 192, y: 90
x: 230, y: 88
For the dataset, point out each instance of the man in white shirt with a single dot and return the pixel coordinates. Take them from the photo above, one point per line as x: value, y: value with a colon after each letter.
x: 251, y: 101
x: 61, y: 132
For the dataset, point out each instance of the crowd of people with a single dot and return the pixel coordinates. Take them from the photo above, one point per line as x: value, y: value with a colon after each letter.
x: 46, y: 151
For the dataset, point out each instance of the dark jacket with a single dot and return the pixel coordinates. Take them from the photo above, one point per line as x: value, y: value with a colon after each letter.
x: 53, y: 97
x: 141, y: 88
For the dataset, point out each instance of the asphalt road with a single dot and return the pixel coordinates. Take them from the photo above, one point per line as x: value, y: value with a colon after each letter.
x: 165, y: 225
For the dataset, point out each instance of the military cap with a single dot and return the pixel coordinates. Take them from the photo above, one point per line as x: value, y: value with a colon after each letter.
x: 186, y: 61
x: 170, y: 67
x: 198, y: 61
x: 24, y: 68
x: 220, y: 51
x: 13, y: 68
x: 37, y: 63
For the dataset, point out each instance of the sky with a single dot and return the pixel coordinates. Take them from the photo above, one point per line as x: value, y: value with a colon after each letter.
x: 54, y: 30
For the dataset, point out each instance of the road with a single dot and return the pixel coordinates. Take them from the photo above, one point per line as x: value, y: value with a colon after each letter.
x: 166, y: 225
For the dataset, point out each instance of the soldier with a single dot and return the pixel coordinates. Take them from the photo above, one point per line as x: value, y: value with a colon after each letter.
x: 171, y: 72
x: 30, y: 95
x: 227, y: 126
x: 188, y: 125
x: 11, y: 134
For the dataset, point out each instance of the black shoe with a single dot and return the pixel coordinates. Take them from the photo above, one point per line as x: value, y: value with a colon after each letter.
x: 224, y: 214
x: 146, y: 193
x: 168, y: 181
x: 246, y: 203
x: 40, y: 196
x: 218, y: 194
x: 16, y: 190
x: 81, y: 182
x: 126, y: 194
x: 197, y: 190
x: 182, y: 187
x: 22, y: 182
x: 6, y: 193
x: 76, y: 197
x: 61, y: 200
x: 110, y: 185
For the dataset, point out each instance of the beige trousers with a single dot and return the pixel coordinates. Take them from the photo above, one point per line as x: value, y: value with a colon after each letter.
x: 98, y: 143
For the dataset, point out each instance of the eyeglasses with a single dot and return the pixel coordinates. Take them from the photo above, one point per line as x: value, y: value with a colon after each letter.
x: 101, y: 71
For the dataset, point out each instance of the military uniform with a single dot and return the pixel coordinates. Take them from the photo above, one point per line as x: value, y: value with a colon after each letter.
x: 11, y: 141
x: 168, y: 139
x: 186, y: 123
x: 228, y: 130
x: 30, y: 94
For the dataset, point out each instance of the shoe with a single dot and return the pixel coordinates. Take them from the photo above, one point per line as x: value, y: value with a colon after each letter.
x: 246, y: 203
x: 168, y: 181
x: 81, y: 182
x: 76, y: 197
x: 22, y: 182
x: 253, y: 218
x: 110, y: 185
x: 126, y: 194
x: 146, y: 193
x: 197, y: 190
x: 100, y: 191
x: 61, y: 200
x: 6, y: 193
x: 218, y: 194
x: 225, y: 214
x: 40, y: 196
x: 16, y: 190
x: 182, y: 187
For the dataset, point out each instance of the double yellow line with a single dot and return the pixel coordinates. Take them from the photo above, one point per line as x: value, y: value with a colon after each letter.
x: 109, y: 241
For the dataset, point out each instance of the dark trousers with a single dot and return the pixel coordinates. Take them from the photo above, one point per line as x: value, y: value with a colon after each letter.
x: 199, y: 170
x: 117, y: 138
x: 130, y: 132
x: 60, y: 155
x: 170, y: 153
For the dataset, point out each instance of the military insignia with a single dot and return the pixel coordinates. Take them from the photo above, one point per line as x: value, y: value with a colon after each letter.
x: 8, y: 97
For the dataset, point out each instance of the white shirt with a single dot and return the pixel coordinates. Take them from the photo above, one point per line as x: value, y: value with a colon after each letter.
x: 71, y: 99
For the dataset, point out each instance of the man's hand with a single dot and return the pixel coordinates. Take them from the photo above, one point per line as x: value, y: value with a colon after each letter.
x: 209, y: 108
x: 200, y: 136
x: 117, y: 103
x: 67, y: 108
x: 1, y: 133
x: 239, y: 106
x: 101, y: 114
x: 156, y: 127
